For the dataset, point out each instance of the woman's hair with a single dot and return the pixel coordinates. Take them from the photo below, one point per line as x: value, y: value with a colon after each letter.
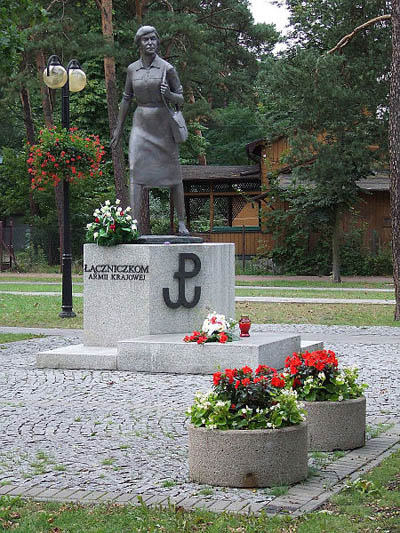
x: 144, y: 30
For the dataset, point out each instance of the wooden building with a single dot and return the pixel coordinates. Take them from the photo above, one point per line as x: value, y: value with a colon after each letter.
x: 219, y: 202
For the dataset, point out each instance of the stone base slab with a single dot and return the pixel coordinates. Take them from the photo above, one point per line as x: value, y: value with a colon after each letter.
x: 133, y: 290
x: 79, y: 357
x: 168, y: 353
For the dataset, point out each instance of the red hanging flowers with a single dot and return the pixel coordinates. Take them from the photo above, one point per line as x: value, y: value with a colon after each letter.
x: 63, y: 155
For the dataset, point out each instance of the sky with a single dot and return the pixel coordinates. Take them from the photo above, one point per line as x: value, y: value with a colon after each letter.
x: 265, y: 11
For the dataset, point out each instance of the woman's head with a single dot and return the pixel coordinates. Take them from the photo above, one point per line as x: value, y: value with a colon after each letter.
x: 144, y: 31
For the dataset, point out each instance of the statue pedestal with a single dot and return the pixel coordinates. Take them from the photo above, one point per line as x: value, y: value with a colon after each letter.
x: 140, y: 300
x: 132, y: 290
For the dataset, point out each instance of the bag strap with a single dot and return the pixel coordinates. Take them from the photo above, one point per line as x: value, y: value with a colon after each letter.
x: 163, y: 80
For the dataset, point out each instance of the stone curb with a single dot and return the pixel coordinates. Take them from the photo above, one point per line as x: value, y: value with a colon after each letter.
x: 300, y: 499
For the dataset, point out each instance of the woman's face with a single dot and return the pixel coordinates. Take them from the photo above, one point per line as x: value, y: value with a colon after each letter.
x: 149, y: 43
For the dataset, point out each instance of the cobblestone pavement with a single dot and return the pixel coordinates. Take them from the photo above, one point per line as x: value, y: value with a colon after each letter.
x: 124, y: 433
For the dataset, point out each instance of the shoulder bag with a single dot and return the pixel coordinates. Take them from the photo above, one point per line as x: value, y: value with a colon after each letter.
x: 177, y: 120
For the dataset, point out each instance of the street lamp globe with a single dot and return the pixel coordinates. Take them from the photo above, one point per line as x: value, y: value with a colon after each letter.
x: 77, y: 80
x: 55, y: 76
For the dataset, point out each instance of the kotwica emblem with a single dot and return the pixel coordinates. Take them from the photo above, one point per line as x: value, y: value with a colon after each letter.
x: 181, y: 276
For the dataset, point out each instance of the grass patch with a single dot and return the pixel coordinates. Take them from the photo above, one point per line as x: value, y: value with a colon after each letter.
x: 354, y: 510
x: 317, y: 294
x: 37, y: 311
x: 42, y: 311
x: 279, y: 490
x: 36, y: 287
x: 14, y: 337
x: 272, y: 282
x: 324, y: 314
x: 36, y: 277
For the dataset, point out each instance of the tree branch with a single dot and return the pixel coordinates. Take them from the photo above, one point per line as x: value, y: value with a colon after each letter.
x: 347, y: 38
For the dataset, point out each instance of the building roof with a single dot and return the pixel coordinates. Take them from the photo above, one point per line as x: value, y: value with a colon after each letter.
x: 378, y: 181
x: 196, y: 173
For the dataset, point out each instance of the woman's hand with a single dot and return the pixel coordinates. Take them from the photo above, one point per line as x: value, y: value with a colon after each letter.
x: 165, y: 90
x: 116, y: 137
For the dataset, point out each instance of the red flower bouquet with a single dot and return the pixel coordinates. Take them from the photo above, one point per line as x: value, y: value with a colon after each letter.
x: 215, y: 328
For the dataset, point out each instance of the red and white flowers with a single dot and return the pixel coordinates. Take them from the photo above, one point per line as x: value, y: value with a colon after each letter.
x: 112, y: 225
x: 243, y: 399
x: 316, y: 377
x: 215, y: 328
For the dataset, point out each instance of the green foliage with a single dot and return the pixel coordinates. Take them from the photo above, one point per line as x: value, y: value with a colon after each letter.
x: 14, y: 182
x: 332, y: 107
x: 301, y: 227
x: 229, y: 130
x: 211, y: 412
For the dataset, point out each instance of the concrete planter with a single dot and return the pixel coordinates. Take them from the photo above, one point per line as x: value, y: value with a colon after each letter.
x: 336, y: 425
x: 248, y: 458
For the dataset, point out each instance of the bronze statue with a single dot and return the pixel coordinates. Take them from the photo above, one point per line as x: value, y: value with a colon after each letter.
x: 153, y: 152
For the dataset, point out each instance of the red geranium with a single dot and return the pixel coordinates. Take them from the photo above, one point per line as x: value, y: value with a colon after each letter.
x: 245, y: 388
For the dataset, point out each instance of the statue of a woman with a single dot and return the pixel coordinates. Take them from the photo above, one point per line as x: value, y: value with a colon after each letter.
x: 153, y: 152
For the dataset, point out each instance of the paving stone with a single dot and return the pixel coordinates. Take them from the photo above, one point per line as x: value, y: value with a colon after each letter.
x: 48, y: 494
x: 92, y: 496
x: 122, y: 433
x: 236, y: 507
x: 256, y: 508
x: 18, y: 491
x: 65, y: 494
x: 218, y: 505
x: 80, y: 495
x: 109, y: 497
x: 34, y: 492
x: 5, y: 489
x: 126, y: 498
x: 188, y: 503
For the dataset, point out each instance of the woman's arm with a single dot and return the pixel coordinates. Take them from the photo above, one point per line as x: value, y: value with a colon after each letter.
x: 123, y: 111
x: 172, y: 88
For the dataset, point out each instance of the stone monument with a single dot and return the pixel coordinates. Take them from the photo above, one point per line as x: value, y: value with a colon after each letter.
x: 140, y: 300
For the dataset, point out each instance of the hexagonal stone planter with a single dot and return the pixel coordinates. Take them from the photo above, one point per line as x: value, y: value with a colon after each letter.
x: 336, y: 425
x: 248, y: 458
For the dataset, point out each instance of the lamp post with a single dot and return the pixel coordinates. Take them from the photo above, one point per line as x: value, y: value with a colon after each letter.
x: 71, y: 79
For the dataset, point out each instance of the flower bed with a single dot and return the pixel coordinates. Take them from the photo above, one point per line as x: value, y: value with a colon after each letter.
x: 248, y: 431
x: 334, y: 401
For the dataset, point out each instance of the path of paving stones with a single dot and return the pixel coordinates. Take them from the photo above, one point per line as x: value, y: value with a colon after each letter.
x: 124, y: 432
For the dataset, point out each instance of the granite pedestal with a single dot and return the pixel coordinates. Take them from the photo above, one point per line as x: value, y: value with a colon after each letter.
x: 140, y: 300
x: 124, y: 288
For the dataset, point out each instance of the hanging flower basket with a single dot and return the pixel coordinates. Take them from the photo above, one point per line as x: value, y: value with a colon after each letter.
x: 64, y: 154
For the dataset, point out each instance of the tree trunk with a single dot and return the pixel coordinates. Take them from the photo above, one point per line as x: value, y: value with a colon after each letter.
x: 336, y: 234
x: 30, y: 137
x: 48, y: 120
x: 201, y: 157
x: 117, y: 151
x: 394, y: 152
